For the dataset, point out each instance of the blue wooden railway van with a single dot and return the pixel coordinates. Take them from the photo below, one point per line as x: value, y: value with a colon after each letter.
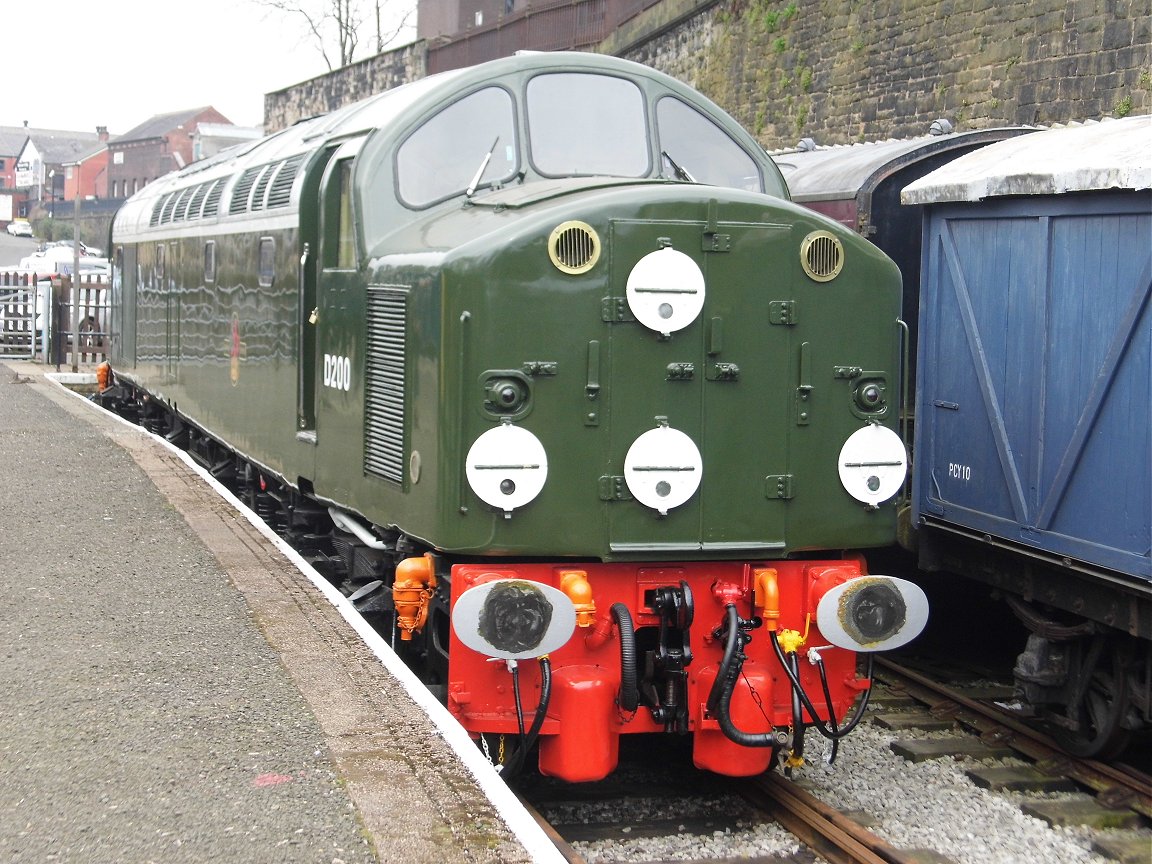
x: 1034, y: 394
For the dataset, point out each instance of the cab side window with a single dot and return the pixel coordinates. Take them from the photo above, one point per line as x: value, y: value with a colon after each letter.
x: 472, y: 139
x: 692, y: 144
x: 267, y: 263
x: 210, y: 261
x: 339, y: 218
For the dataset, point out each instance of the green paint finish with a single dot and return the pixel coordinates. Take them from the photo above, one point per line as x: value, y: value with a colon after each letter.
x: 381, y: 347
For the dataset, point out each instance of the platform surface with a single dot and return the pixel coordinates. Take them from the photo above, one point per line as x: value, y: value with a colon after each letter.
x: 175, y: 690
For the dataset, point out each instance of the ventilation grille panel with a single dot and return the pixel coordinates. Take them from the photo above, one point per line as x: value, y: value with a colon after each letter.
x: 180, y: 211
x: 212, y: 200
x: 280, y: 194
x: 197, y: 201
x: 385, y: 378
x: 157, y: 208
x: 243, y: 188
x: 262, y: 187
x: 169, y: 206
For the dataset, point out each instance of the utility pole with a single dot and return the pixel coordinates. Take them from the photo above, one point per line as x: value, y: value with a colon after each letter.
x: 76, y: 282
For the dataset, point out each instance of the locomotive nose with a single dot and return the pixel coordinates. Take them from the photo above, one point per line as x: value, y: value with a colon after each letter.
x: 872, y: 613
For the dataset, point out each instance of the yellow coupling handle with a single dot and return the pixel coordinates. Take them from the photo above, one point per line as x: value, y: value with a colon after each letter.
x: 792, y: 641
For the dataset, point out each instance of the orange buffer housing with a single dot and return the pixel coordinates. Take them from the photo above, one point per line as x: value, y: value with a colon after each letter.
x: 579, y: 738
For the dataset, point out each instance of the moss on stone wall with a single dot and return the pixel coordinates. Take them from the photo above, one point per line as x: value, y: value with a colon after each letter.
x: 853, y: 70
x: 848, y: 70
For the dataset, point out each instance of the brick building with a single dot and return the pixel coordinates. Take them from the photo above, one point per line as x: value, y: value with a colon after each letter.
x: 87, y: 175
x: 34, y: 165
x: 162, y: 144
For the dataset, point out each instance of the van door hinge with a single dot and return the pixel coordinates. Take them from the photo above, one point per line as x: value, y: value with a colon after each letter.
x: 723, y: 372
x: 539, y: 368
x: 778, y: 486
x: 804, y: 391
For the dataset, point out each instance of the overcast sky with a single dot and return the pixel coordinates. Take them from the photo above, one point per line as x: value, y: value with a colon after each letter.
x: 79, y: 64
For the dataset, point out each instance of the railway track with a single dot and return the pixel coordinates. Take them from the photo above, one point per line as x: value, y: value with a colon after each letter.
x: 791, y: 820
x: 1115, y: 787
x: 1113, y: 802
x: 794, y: 823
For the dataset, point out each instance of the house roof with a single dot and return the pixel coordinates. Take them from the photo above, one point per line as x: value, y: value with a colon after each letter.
x: 55, y: 145
x: 87, y: 153
x: 160, y: 125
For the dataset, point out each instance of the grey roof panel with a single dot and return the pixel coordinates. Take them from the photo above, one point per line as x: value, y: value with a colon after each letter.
x: 56, y: 146
x: 1109, y: 154
x: 841, y: 172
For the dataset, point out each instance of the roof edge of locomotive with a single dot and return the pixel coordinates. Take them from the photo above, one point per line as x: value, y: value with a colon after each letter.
x: 279, y: 161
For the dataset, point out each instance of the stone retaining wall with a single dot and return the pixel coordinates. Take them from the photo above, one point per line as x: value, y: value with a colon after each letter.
x: 852, y: 70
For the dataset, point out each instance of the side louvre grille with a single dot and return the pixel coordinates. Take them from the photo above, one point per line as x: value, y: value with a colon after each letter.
x: 384, y: 384
x: 262, y: 187
x: 212, y: 201
x: 242, y: 189
x: 188, y: 204
x: 180, y: 210
x: 197, y: 201
x: 281, y: 192
x: 169, y: 206
x: 156, y: 210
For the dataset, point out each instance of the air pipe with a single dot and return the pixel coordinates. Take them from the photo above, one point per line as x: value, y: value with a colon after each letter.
x: 346, y: 523
x: 629, y: 698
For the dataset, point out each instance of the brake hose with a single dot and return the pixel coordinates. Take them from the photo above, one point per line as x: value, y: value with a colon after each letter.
x: 527, y: 740
x: 794, y: 679
x: 720, y: 696
x: 629, y: 697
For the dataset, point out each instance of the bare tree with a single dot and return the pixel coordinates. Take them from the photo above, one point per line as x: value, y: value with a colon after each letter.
x: 334, y: 26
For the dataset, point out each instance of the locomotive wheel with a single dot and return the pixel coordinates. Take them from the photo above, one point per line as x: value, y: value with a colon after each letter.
x: 1099, y: 712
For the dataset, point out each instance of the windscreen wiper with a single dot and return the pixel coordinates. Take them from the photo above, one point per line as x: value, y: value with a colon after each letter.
x: 483, y: 167
x: 681, y: 173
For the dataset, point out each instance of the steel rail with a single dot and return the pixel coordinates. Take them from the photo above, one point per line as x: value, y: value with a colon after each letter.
x: 570, y: 854
x: 1115, y: 788
x: 824, y: 829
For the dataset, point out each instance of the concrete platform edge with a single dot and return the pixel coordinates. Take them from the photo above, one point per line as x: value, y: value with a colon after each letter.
x: 513, y: 813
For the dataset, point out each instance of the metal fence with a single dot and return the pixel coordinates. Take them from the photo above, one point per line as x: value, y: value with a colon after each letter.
x: 36, y: 314
x: 18, y: 316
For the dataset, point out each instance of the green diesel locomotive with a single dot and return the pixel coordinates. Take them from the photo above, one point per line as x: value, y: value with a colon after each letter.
x: 538, y: 362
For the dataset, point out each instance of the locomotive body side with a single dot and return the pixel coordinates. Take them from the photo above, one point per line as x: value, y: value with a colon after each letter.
x: 528, y: 379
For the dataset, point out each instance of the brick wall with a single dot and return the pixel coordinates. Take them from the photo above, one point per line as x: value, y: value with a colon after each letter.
x: 848, y: 70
